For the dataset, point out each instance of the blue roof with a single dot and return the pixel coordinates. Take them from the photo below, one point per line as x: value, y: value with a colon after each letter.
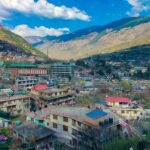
x: 95, y: 114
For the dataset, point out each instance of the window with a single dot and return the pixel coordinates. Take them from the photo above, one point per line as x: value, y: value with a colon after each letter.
x: 122, y: 111
x: 40, y: 121
x: 55, y: 117
x: 79, y: 124
x: 75, y: 132
x: 73, y: 122
x: 135, y: 112
x: 127, y: 112
x: 55, y: 125
x: 65, y: 119
x: 65, y: 128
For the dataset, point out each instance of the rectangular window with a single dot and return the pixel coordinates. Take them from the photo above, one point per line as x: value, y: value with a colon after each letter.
x: 65, y: 119
x: 65, y: 128
x: 79, y: 124
x: 122, y: 111
x: 55, y: 117
x: 135, y: 112
x: 40, y: 121
x: 73, y: 122
x: 55, y: 125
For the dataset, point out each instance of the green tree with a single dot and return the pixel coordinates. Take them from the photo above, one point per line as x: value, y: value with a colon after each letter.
x: 126, y: 85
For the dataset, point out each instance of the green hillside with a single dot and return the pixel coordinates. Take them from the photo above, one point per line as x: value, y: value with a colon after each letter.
x: 17, y: 41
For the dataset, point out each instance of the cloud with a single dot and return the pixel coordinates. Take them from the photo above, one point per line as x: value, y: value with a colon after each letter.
x: 24, y: 31
x: 41, y: 8
x: 138, y: 6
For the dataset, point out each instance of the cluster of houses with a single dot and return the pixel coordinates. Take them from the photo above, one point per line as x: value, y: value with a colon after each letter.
x: 48, y: 105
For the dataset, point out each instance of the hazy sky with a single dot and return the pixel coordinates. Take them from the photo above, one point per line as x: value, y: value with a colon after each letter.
x: 56, y: 17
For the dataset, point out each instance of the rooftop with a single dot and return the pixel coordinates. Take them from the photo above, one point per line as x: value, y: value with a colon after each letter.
x: 40, y: 87
x: 52, y: 90
x: 10, y: 98
x: 118, y: 99
x: 81, y: 114
x: 22, y: 65
x: 95, y: 114
x: 31, y: 131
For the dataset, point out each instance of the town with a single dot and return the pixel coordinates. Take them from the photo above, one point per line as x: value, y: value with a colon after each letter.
x: 74, y: 75
x: 55, y: 104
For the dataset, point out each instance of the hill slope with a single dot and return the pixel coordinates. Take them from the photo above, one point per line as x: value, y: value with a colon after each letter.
x: 113, y: 37
x: 14, y: 43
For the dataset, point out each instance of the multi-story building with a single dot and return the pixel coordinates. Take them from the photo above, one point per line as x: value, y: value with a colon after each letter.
x: 68, y: 122
x: 124, y: 107
x: 118, y: 101
x: 26, y: 69
x: 15, y: 104
x: 56, y: 96
x: 25, y: 82
x: 61, y: 70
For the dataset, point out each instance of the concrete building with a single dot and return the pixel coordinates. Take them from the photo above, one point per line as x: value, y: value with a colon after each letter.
x: 15, y: 104
x: 26, y: 69
x: 118, y: 101
x: 61, y: 70
x: 124, y: 107
x: 68, y: 122
x: 25, y: 82
x: 4, y: 123
x: 32, y: 133
x: 129, y: 113
x: 56, y: 96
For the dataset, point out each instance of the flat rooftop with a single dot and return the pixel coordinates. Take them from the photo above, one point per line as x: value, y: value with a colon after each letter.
x: 81, y: 114
x: 30, y: 131
x: 11, y: 98
x: 52, y: 90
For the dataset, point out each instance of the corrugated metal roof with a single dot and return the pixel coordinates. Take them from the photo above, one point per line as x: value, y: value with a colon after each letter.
x: 40, y: 87
x: 96, y: 114
x: 22, y: 65
x: 118, y: 99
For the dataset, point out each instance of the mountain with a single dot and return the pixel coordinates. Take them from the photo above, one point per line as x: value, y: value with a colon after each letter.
x: 116, y: 36
x: 33, y: 39
x: 12, y: 43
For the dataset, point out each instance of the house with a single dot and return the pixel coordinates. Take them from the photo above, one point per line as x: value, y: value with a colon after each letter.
x: 14, y: 104
x: 68, y: 122
x: 4, y: 123
x: 28, y: 133
x: 56, y: 96
x: 124, y: 107
x: 129, y: 113
x: 25, y: 82
x: 118, y: 101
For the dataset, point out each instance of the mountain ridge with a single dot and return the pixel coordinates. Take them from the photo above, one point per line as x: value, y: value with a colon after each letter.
x: 118, y: 35
x: 16, y: 42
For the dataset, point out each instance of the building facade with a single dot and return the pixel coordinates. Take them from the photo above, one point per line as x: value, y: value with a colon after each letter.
x: 56, y: 96
x: 61, y: 70
x: 68, y: 122
x: 15, y: 104
x: 25, y: 82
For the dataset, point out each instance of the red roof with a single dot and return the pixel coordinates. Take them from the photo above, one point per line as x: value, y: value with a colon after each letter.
x: 118, y: 99
x: 40, y: 87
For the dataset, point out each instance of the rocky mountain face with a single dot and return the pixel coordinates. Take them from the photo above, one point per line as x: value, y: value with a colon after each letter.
x: 117, y: 36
